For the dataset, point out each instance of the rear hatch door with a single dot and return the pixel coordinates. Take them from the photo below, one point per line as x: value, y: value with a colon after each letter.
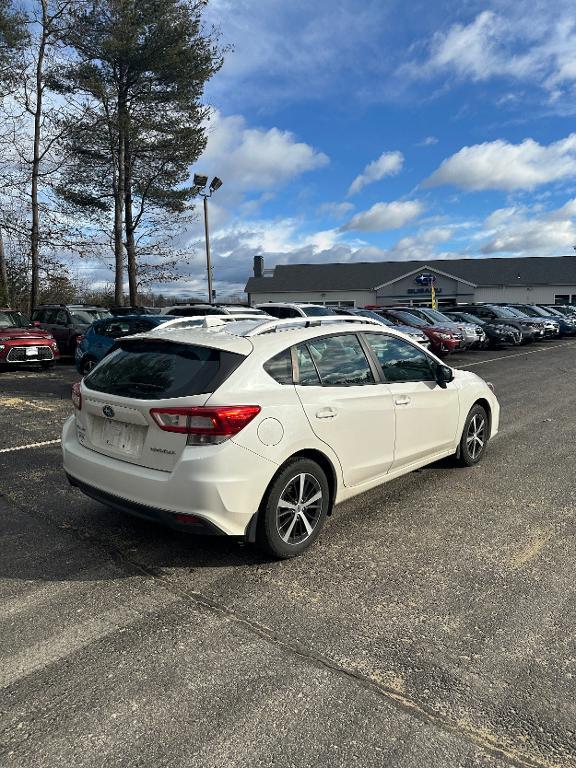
x: 144, y: 374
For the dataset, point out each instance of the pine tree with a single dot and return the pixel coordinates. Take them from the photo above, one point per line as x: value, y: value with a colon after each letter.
x: 142, y: 66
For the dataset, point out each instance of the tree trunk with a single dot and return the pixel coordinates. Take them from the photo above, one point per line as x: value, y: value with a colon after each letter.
x: 35, y: 232
x: 129, y: 223
x: 119, y: 194
x: 118, y: 220
x: 4, y: 287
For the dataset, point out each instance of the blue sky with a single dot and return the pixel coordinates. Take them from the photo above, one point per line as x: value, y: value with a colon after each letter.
x: 349, y: 130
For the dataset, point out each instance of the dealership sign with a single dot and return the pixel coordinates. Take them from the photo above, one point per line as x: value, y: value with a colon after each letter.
x: 426, y: 278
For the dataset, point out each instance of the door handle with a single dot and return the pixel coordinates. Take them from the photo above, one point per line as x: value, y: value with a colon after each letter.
x: 402, y: 401
x: 326, y: 413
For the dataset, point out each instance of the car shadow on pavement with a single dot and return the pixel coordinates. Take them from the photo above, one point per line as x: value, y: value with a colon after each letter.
x: 105, y: 544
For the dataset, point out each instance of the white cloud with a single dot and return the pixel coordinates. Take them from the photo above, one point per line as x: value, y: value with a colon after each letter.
x: 388, y: 164
x: 514, y: 231
x: 429, y: 141
x: 501, y: 165
x: 383, y: 216
x: 519, y: 41
x: 254, y: 159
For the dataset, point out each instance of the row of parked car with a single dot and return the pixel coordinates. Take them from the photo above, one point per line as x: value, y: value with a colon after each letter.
x: 88, y: 333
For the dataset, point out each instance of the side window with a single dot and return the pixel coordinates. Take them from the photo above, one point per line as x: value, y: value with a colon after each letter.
x: 282, y: 312
x: 39, y: 315
x: 308, y: 375
x: 280, y: 367
x: 62, y: 317
x: 341, y: 361
x: 400, y: 361
x: 50, y: 315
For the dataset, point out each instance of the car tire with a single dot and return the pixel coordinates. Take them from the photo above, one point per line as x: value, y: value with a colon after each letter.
x: 87, y: 364
x: 474, y: 438
x: 293, y: 510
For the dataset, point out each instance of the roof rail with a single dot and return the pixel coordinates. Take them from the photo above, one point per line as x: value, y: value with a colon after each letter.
x: 289, y: 323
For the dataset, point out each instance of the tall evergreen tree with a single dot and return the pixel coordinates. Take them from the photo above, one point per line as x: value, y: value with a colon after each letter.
x: 142, y: 65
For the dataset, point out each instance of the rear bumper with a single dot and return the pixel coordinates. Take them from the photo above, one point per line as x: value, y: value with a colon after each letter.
x: 222, y: 485
x: 173, y: 520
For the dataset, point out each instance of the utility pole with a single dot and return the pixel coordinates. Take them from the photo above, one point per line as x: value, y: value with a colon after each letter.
x: 202, y: 188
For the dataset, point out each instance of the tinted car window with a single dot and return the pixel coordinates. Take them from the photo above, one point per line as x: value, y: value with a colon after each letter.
x: 116, y: 328
x: 282, y: 312
x: 13, y: 320
x: 62, y: 317
x: 316, y: 311
x: 400, y: 361
x: 50, y: 316
x: 189, y: 312
x: 341, y: 361
x: 151, y: 370
x: 280, y: 367
x: 308, y: 375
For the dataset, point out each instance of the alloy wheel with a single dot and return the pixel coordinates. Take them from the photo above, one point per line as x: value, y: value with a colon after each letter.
x: 476, y: 436
x: 299, y: 508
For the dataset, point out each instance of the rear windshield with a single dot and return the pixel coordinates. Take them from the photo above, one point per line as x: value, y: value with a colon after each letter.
x: 87, y: 316
x: 316, y: 311
x: 154, y: 370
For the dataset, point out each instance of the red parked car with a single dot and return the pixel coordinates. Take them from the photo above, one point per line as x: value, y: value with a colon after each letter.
x: 443, y: 341
x: 22, y: 343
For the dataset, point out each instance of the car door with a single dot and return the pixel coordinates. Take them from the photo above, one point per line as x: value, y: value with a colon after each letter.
x: 426, y: 415
x: 347, y: 406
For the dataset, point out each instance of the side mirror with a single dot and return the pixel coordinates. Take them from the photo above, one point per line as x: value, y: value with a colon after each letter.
x: 444, y: 375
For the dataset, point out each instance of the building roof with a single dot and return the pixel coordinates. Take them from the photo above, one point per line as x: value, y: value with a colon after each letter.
x: 366, y: 276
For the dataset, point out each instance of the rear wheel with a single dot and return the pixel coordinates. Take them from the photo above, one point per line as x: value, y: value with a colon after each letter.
x: 294, y: 509
x: 474, y: 437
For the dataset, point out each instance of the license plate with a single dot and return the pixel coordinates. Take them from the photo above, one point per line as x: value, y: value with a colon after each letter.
x: 31, y: 351
x: 118, y: 435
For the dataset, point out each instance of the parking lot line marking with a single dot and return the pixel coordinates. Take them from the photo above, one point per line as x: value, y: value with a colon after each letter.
x: 509, y: 357
x: 31, y: 445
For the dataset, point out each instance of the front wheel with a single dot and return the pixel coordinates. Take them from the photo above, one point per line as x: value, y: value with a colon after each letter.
x: 474, y: 437
x: 294, y: 509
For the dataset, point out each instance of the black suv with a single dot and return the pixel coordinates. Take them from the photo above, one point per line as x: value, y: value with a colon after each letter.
x: 67, y: 321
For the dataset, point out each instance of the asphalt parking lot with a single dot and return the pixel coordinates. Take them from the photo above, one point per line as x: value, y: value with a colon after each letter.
x: 433, y: 624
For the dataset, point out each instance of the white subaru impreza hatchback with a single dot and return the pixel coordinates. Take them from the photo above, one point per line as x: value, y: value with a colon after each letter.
x: 257, y: 428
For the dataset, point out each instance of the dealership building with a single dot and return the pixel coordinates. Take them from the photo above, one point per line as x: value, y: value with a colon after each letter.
x: 534, y: 280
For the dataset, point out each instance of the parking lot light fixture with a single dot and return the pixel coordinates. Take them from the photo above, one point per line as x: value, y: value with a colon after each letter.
x: 201, y: 188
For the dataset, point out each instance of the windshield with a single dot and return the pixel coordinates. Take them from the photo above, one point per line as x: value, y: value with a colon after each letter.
x: 410, y: 319
x: 537, y: 312
x: 467, y: 317
x: 517, y: 312
x: 316, y: 311
x: 374, y: 316
x: 435, y: 315
x: 527, y: 311
x: 87, y: 316
x: 13, y: 319
x: 505, y: 312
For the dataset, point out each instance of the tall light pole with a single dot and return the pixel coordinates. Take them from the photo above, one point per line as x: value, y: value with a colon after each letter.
x: 205, y: 190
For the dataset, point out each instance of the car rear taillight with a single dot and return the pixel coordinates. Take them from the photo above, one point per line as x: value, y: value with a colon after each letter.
x: 77, y: 396
x: 205, y: 425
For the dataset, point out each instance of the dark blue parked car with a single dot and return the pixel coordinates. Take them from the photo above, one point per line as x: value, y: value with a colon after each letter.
x: 101, y: 336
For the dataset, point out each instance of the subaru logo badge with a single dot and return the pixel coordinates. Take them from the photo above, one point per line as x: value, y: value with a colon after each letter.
x: 108, y: 411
